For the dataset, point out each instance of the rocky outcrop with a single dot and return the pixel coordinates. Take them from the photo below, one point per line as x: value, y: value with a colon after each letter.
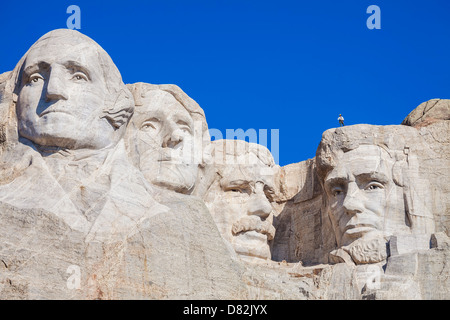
x: 115, y: 191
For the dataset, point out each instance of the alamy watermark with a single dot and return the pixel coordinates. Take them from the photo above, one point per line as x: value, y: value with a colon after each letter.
x: 374, y: 20
x: 74, y: 280
x: 74, y: 20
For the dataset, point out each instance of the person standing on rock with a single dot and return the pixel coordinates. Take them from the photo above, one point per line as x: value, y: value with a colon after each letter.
x: 341, y: 120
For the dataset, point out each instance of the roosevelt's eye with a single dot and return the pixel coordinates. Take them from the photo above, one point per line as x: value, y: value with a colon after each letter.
x: 238, y: 190
x: 337, y: 191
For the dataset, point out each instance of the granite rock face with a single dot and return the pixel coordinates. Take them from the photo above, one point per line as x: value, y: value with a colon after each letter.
x: 114, y: 191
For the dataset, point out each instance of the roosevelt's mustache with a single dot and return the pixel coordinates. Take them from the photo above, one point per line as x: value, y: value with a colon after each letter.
x: 254, y: 223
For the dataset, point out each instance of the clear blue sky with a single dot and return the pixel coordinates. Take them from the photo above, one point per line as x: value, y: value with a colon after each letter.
x: 287, y: 65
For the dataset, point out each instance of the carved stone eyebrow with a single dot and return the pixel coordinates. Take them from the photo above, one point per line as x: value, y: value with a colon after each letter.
x: 41, y: 65
x: 186, y: 120
x: 71, y: 64
x: 333, y: 181
x: 369, y: 176
x: 237, y: 183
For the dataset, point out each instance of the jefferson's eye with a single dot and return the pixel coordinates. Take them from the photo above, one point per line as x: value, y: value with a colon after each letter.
x: 184, y: 127
x: 150, y: 124
x: 147, y: 126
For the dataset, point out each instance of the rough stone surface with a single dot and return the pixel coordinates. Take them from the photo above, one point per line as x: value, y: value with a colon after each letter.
x: 428, y: 112
x: 114, y: 191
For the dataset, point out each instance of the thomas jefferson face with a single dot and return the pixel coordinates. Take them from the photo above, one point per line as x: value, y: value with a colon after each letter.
x: 362, y: 197
x: 62, y: 94
x: 165, y: 142
x: 241, y: 207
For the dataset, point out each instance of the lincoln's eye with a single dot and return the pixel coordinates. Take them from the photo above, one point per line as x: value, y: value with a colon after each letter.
x: 374, y: 185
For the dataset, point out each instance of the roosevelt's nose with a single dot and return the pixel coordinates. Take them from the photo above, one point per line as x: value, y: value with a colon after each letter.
x: 56, y: 86
x: 258, y: 204
x: 353, y: 203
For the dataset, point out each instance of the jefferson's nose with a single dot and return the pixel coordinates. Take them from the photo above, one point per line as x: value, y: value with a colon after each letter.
x: 56, y: 86
x: 258, y: 204
x: 173, y: 136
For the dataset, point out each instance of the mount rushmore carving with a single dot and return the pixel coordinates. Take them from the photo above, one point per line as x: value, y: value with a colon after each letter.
x: 123, y: 184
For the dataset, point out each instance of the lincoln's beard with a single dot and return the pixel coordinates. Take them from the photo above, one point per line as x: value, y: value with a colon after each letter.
x: 370, y: 250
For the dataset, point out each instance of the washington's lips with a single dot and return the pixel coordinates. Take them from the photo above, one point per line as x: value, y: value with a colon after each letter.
x: 254, y: 223
x: 52, y: 110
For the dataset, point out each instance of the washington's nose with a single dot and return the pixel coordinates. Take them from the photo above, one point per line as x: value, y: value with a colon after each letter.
x: 258, y: 203
x: 56, y: 87
x: 352, y: 201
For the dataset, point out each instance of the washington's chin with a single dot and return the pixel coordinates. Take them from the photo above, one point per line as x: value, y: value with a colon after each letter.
x: 61, y: 134
x: 252, y: 245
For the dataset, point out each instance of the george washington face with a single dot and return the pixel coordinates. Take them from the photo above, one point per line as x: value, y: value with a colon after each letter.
x: 62, y: 93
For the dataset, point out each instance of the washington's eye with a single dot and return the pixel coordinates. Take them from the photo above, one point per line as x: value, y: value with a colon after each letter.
x: 80, y: 76
x: 35, y: 78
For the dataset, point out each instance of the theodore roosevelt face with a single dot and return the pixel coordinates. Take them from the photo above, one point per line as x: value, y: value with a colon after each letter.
x: 240, y: 202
